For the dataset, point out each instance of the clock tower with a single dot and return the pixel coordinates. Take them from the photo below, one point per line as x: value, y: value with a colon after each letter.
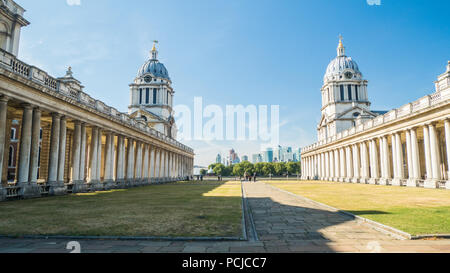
x: 152, y: 96
x: 345, y: 100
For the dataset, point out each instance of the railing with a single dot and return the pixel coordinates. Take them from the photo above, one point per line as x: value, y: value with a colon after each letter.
x: 72, y: 90
x: 12, y: 192
x: 403, y: 182
x: 420, y: 183
x: 44, y: 188
x: 442, y: 184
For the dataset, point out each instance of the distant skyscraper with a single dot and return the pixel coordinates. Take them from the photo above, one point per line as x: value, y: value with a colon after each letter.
x: 268, y: 155
x: 244, y: 158
x: 219, y: 159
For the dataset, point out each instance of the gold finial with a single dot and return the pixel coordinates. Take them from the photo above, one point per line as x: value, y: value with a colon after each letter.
x: 341, y: 45
x: 154, y: 45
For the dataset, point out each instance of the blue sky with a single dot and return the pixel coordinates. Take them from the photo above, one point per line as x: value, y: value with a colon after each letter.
x: 243, y: 52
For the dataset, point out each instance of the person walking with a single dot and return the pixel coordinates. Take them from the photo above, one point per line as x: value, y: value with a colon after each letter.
x: 254, y: 177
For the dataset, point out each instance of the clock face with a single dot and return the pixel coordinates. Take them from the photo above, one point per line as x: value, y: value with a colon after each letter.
x: 148, y: 79
x: 348, y: 75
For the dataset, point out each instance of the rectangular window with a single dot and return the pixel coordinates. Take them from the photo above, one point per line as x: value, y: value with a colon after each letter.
x: 349, y: 92
x: 154, y: 96
x: 356, y: 93
x: 140, y: 96
x: 147, y: 95
x: 342, y: 93
x: 167, y: 97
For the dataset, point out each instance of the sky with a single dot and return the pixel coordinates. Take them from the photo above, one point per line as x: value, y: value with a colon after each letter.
x: 242, y: 52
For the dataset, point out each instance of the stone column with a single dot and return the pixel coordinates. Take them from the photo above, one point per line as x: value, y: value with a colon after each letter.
x: 435, y: 158
x: 27, y: 190
x: 447, y: 148
x: 82, y: 176
x: 356, y: 164
x: 78, y: 184
x: 399, y: 161
x: 3, y: 133
x: 157, y: 165
x: 327, y: 166
x: 35, y: 134
x: 337, y: 168
x: 109, y: 183
x: 62, y: 150
x: 342, y: 162
x: 349, y: 163
x: 415, y: 161
x: 331, y: 164
x: 120, y: 162
x: 146, y: 164
x: 163, y: 165
x: 374, y: 168
x: 365, y: 163
x: 385, y: 161
x: 409, y: 154
x: 130, y: 163
x: 55, y: 187
x: 99, y: 160
x: 152, y: 164
x: 93, y: 160
x: 394, y: 158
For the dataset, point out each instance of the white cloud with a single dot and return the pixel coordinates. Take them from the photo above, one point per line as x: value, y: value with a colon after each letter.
x: 73, y: 2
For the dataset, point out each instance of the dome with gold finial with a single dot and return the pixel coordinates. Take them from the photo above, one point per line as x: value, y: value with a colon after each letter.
x: 153, y: 67
x: 342, y: 67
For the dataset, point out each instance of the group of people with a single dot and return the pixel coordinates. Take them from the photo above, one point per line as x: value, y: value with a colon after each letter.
x: 249, y: 177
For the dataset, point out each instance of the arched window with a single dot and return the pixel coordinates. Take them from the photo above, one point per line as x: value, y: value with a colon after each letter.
x: 11, y: 156
x: 3, y: 35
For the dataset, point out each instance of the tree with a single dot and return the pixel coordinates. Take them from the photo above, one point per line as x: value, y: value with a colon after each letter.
x: 228, y: 171
x: 280, y: 168
x: 268, y: 169
x: 292, y: 167
x: 203, y: 172
x: 259, y: 168
x: 219, y: 169
x: 244, y: 167
x: 212, y: 166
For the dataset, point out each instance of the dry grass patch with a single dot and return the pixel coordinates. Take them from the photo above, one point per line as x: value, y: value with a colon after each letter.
x: 165, y: 210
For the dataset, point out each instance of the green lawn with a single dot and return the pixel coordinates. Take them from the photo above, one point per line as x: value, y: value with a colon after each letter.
x: 414, y: 210
x: 180, y: 209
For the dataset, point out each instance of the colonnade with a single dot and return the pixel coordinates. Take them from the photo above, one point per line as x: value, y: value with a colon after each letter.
x: 417, y: 156
x: 59, y: 154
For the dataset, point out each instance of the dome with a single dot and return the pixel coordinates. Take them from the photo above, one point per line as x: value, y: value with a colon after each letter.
x: 155, y: 68
x: 342, y: 66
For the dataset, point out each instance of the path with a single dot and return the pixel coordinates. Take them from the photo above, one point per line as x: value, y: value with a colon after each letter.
x: 284, y: 223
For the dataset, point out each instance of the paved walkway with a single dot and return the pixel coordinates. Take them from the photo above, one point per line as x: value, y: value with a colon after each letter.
x: 283, y: 222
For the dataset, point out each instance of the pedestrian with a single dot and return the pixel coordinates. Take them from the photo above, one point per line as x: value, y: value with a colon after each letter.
x: 254, y: 177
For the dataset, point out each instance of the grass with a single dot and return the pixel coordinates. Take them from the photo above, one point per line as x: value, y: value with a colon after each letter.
x: 417, y: 211
x: 179, y: 210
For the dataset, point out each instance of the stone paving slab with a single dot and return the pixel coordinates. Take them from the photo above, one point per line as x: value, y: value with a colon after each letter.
x: 284, y: 223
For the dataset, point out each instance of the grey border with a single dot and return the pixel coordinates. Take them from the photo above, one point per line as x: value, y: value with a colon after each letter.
x: 248, y: 211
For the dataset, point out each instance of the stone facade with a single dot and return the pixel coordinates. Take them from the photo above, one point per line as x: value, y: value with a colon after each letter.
x: 71, y: 142
x: 408, y: 146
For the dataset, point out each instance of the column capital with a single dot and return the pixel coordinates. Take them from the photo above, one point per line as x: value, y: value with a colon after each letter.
x: 4, y: 98
x: 56, y: 115
x: 27, y: 106
x: 37, y: 109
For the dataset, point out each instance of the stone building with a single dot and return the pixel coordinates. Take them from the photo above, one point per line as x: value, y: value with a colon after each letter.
x: 66, y: 141
x: 408, y: 146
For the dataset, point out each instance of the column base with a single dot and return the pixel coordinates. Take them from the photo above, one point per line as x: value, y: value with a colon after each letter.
x: 96, y: 186
x: 109, y: 184
x: 383, y: 181
x: 364, y: 181
x: 2, y: 194
x: 430, y: 184
x: 29, y: 190
x: 341, y: 179
x: 372, y: 181
x: 56, y: 188
x: 396, y: 182
x: 355, y: 180
x: 411, y: 183
x: 348, y: 180
x: 79, y: 187
x: 447, y: 185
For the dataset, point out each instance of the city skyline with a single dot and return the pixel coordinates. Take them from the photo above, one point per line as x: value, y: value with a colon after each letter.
x: 243, y: 52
